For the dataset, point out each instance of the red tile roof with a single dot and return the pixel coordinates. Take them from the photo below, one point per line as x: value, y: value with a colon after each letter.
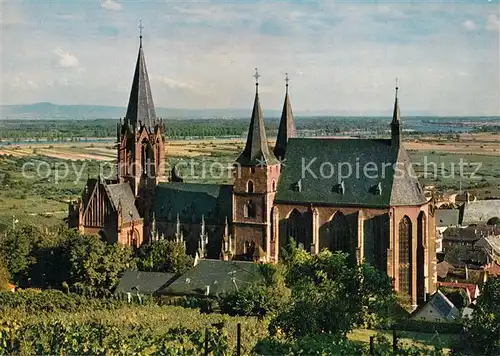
x: 471, y: 287
x: 493, y: 269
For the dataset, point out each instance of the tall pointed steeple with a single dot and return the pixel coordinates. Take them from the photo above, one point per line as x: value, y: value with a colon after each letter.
x: 256, y: 150
x: 287, y: 126
x: 396, y: 127
x: 141, y: 108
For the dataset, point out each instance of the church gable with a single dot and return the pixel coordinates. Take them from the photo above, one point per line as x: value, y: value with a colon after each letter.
x: 99, y: 210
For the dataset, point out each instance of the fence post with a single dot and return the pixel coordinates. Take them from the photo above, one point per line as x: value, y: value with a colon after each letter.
x: 238, y: 339
x: 394, y: 342
x: 206, y: 341
x: 372, y: 348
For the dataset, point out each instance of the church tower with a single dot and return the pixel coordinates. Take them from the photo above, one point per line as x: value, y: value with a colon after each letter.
x: 396, y: 127
x: 256, y: 174
x: 287, y: 126
x: 141, y: 147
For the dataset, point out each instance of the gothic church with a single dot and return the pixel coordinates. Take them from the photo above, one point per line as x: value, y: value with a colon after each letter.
x: 293, y: 191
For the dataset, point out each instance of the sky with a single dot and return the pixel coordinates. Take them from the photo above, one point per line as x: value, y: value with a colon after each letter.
x: 342, y: 57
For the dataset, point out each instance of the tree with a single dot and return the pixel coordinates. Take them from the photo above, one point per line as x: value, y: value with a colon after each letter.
x: 494, y: 221
x: 457, y: 296
x: 482, y: 330
x: 330, y: 297
x: 17, y: 246
x: 260, y: 299
x: 164, y: 256
x: 96, y: 266
x: 4, y: 275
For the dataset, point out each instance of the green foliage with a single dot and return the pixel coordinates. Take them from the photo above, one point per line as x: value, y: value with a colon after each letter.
x: 457, y: 296
x: 51, y: 322
x: 424, y: 326
x: 35, y: 301
x: 320, y: 344
x: 494, y: 221
x: 97, y: 266
x: 4, y: 275
x: 325, y: 344
x: 83, y: 262
x: 259, y: 299
x: 58, y: 337
x: 164, y: 256
x: 16, y: 248
x: 482, y: 330
x: 329, y: 296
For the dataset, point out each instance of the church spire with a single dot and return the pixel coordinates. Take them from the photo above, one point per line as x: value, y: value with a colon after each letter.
x: 287, y: 125
x: 256, y: 150
x: 141, y: 108
x: 396, y: 128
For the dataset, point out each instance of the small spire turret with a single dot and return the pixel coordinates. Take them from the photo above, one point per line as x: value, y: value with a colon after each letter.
x: 287, y: 125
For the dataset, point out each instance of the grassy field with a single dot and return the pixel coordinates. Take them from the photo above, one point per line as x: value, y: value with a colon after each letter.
x: 408, y: 338
x: 43, y: 199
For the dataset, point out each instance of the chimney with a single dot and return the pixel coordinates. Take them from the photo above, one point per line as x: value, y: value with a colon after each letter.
x: 207, y: 290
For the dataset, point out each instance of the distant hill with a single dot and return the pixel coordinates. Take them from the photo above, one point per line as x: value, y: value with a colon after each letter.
x: 52, y: 111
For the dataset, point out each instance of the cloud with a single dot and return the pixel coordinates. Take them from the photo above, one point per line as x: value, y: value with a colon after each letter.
x: 176, y: 84
x: 202, y: 55
x: 469, y: 25
x: 111, y: 5
x: 66, y: 59
x: 20, y: 81
x: 493, y: 22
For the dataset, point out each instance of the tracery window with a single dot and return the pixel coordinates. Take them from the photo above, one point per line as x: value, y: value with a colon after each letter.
x: 405, y: 258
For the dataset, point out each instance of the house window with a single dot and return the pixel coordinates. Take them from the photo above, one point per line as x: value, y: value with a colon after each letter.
x: 250, y: 187
x: 249, y: 210
x: 252, y: 170
x: 273, y: 185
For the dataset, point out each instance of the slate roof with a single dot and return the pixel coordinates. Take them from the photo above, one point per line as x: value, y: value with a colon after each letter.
x: 447, y: 217
x: 122, y: 193
x: 479, y: 211
x: 221, y: 276
x: 286, y: 129
x: 444, y: 306
x: 493, y: 241
x: 256, y: 149
x: 380, y: 187
x: 143, y: 282
x: 470, y: 234
x: 140, y: 104
x: 214, y: 201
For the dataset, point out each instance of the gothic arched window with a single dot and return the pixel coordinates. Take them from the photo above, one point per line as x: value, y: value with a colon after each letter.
x: 421, y: 244
x: 250, y: 187
x: 299, y: 227
x: 405, y: 258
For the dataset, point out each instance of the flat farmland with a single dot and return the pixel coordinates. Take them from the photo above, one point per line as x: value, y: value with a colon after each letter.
x: 44, y: 198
